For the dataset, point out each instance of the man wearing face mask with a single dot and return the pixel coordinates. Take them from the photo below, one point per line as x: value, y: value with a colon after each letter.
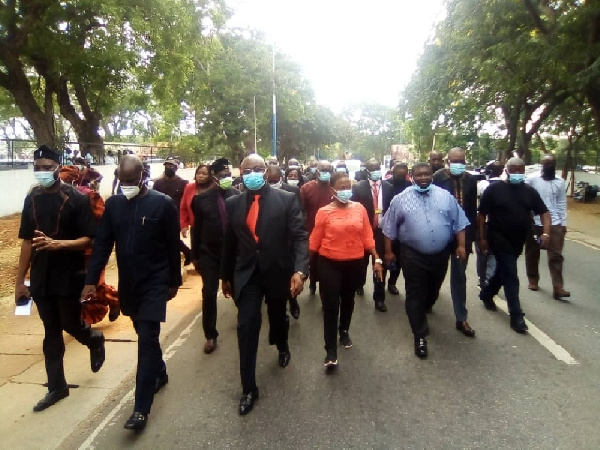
x: 173, y: 185
x: 313, y: 196
x: 373, y: 194
x: 436, y: 161
x: 311, y: 171
x: 265, y: 255
x: 143, y: 225
x: 463, y: 186
x: 293, y: 164
x: 210, y: 221
x: 553, y: 193
x: 429, y: 224
x: 508, y: 206
x: 57, y: 226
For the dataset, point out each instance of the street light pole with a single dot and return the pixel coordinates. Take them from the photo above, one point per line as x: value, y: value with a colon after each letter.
x: 274, y: 147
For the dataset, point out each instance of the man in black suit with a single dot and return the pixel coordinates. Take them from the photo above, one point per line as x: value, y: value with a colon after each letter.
x: 275, y: 180
x: 265, y: 254
x: 372, y: 194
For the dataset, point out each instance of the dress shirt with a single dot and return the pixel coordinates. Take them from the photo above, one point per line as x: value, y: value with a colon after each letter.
x: 426, y: 222
x: 554, y: 195
x: 380, y: 194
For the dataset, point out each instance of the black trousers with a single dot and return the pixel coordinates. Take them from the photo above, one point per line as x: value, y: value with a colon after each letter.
x: 150, y: 363
x: 395, y: 274
x: 337, y: 295
x: 378, y: 286
x: 249, y: 306
x: 423, y: 278
x: 208, y: 267
x: 58, y: 314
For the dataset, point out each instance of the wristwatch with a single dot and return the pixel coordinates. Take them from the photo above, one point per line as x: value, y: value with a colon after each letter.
x: 545, y: 234
x: 302, y: 275
x: 378, y: 261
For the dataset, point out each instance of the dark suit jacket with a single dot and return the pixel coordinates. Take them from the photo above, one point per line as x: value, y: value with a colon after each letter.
x: 293, y: 189
x: 362, y: 192
x: 282, y: 247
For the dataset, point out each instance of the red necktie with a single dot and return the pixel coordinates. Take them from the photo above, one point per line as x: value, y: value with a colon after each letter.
x: 252, y: 217
x: 375, y: 204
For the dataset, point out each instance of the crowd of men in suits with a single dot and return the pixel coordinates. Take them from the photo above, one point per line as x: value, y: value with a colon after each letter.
x: 251, y: 236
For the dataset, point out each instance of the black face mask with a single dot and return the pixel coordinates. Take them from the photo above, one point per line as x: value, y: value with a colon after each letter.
x: 548, y: 172
x: 169, y: 172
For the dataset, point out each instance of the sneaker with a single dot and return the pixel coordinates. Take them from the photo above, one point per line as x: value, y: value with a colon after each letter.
x: 331, y: 359
x: 345, y: 339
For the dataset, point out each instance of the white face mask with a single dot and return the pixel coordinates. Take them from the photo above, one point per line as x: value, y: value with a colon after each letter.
x: 277, y: 185
x: 293, y: 182
x: 130, y: 191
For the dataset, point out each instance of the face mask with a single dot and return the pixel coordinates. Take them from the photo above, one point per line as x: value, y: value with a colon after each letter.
x: 225, y: 183
x: 324, y: 176
x: 254, y: 181
x: 344, y: 195
x: 130, y: 191
x: 45, y: 178
x: 294, y: 166
x: 277, y: 185
x: 516, y: 178
x: 549, y: 173
x: 341, y: 169
x: 313, y: 170
x: 423, y: 190
x: 169, y: 172
x: 293, y: 182
x: 375, y: 175
x: 80, y: 167
x: 457, y: 168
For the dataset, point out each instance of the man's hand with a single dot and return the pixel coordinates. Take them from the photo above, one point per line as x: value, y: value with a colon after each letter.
x: 88, y: 293
x: 544, y: 241
x: 173, y: 292
x: 184, y: 232
x: 21, y: 291
x: 296, y: 284
x: 388, y: 258
x: 378, y: 269
x: 461, y: 253
x: 226, y: 288
x: 43, y: 242
x: 483, y: 246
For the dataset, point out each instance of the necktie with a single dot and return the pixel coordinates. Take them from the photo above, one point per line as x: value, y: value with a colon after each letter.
x: 252, y: 217
x: 222, y: 211
x: 375, y: 204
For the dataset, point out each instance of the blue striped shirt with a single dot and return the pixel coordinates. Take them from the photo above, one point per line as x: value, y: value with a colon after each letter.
x: 426, y: 222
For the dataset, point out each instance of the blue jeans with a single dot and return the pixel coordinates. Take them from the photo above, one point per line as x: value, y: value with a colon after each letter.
x: 458, y: 287
x: 505, y: 275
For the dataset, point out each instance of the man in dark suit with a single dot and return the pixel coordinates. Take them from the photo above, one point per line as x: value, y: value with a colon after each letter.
x: 372, y: 194
x: 265, y: 254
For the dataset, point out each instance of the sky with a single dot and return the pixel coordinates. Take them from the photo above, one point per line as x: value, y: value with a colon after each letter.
x: 351, y: 51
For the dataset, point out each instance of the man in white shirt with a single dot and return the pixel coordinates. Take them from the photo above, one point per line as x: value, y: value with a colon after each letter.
x: 553, y: 193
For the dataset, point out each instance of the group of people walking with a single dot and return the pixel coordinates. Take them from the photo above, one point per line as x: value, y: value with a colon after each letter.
x: 264, y: 235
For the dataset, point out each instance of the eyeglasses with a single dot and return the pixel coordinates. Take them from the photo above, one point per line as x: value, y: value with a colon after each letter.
x: 255, y: 170
x: 326, y: 170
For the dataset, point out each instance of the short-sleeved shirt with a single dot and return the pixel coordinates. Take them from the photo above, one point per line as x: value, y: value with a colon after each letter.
x: 63, y: 215
x: 508, y: 208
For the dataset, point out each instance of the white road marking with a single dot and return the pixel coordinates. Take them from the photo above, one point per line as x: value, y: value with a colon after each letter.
x: 546, y: 341
x: 88, y: 444
x: 592, y: 246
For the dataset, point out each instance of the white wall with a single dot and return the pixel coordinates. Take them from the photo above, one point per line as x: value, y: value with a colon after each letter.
x: 16, y: 183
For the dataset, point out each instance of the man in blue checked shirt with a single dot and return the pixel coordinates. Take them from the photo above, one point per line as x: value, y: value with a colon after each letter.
x: 426, y: 220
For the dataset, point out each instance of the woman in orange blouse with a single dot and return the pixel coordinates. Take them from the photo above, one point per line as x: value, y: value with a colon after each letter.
x: 341, y: 236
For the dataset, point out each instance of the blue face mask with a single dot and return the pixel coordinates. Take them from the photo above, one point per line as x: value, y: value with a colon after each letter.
x: 344, y: 195
x: 423, y: 190
x: 45, y: 178
x: 516, y: 178
x: 254, y: 180
x: 340, y: 169
x: 313, y: 170
x: 375, y: 175
x: 324, y: 176
x: 457, y: 168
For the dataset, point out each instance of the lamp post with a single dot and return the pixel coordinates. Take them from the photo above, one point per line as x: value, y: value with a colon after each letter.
x: 274, y: 146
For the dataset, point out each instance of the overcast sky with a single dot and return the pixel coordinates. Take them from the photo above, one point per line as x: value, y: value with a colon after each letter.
x: 351, y: 51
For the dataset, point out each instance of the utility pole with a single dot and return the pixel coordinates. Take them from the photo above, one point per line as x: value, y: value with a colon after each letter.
x: 274, y: 148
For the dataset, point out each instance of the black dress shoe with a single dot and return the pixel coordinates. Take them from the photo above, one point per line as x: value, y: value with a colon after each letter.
x: 465, y: 329
x: 517, y: 323
x: 360, y: 291
x: 136, y: 422
x: 51, y: 398
x: 380, y: 306
x: 97, y: 355
x: 247, y: 402
x: 489, y: 304
x: 294, y: 308
x: 421, y: 348
x: 161, y: 381
x: 284, y: 358
x: 393, y: 290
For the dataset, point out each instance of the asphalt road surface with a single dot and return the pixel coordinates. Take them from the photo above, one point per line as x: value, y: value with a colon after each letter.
x: 498, y: 390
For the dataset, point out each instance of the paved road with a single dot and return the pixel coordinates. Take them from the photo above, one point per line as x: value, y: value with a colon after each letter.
x: 499, y: 390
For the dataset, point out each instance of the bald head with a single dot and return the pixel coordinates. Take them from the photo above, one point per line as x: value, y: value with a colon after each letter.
x: 515, y: 165
x: 549, y: 159
x: 456, y: 154
x: 324, y: 164
x: 436, y: 160
x: 253, y: 161
x: 130, y: 169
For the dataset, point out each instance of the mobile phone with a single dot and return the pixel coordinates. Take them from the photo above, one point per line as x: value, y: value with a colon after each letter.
x: 393, y: 266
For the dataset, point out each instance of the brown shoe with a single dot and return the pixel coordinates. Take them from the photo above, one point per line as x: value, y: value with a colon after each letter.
x: 561, y: 293
x: 210, y: 346
x: 533, y: 285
